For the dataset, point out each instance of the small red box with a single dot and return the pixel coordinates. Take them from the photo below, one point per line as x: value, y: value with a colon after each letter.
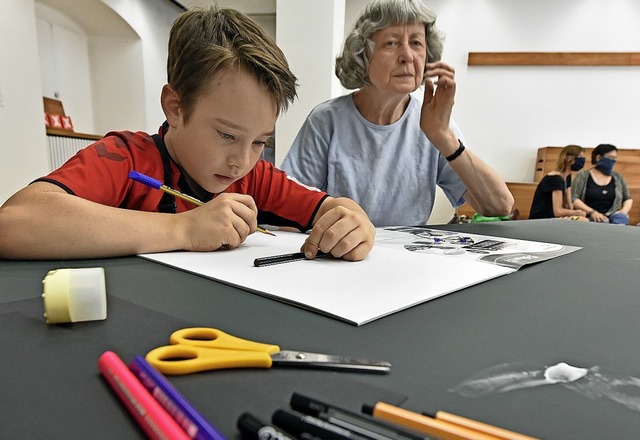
x: 55, y: 121
x: 66, y: 123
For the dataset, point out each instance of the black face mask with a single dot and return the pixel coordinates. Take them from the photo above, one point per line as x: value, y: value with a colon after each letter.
x: 578, y: 164
x: 605, y: 165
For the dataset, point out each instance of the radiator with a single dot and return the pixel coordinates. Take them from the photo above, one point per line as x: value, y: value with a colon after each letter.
x: 61, y: 148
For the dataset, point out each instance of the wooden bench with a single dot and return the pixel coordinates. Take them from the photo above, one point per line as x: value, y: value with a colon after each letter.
x: 522, y: 193
x: 628, y: 164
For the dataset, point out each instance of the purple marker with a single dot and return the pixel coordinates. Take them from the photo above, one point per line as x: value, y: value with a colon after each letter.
x: 193, y: 423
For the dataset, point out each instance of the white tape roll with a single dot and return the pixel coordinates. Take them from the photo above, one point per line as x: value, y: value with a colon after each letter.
x: 74, y: 295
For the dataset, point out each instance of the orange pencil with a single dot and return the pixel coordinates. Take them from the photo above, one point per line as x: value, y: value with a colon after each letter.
x: 501, y: 433
x: 426, y: 425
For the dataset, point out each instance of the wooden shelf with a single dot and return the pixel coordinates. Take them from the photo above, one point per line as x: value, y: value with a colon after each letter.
x: 554, y: 59
x: 72, y: 134
x: 55, y: 107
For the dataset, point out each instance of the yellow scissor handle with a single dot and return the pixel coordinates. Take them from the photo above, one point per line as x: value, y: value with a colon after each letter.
x: 213, y: 338
x: 184, y: 359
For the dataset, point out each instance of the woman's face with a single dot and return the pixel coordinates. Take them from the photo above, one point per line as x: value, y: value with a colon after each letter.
x: 398, y: 59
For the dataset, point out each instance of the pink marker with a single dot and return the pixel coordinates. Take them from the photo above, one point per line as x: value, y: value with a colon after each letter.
x: 154, y: 420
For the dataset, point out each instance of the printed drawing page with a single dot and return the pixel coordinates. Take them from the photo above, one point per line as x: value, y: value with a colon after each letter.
x: 488, y: 249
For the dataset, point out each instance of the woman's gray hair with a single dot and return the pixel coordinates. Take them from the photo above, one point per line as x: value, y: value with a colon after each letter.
x: 352, y: 66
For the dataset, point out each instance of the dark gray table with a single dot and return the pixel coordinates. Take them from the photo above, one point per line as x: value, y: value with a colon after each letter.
x: 581, y: 308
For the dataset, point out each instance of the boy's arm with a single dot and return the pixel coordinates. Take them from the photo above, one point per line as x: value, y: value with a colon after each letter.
x: 44, y: 222
x: 342, y: 228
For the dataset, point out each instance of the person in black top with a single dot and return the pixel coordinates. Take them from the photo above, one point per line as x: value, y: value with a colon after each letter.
x: 553, y: 193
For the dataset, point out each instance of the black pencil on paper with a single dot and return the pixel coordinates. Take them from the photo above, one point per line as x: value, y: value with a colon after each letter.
x: 285, y: 258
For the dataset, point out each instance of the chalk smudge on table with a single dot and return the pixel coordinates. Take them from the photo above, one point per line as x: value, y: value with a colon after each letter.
x: 593, y: 382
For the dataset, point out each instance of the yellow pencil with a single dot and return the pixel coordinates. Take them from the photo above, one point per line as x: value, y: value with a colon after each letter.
x: 153, y: 183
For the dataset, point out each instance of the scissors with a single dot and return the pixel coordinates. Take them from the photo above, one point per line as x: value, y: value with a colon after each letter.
x: 201, y: 348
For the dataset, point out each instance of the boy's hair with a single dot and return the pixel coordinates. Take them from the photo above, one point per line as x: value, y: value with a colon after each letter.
x: 204, y: 42
x: 601, y: 150
x: 352, y: 66
x: 570, y: 151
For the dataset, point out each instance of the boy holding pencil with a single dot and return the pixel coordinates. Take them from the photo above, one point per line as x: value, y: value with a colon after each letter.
x: 227, y: 84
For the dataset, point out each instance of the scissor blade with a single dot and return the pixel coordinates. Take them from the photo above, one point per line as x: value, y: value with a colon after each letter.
x: 290, y: 358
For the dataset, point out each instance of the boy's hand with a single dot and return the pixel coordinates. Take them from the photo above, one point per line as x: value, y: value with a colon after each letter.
x: 342, y: 229
x: 224, y: 222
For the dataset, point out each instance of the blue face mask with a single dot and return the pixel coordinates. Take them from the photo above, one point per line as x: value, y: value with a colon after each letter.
x: 577, y: 164
x: 605, y: 165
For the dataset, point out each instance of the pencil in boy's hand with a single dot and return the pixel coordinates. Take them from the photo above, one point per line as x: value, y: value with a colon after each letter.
x: 156, y: 184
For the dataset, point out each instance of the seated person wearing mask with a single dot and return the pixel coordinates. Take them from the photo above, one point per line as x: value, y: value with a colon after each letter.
x: 553, y: 193
x: 601, y: 192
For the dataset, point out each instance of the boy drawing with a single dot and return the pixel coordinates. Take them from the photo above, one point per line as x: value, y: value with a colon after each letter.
x: 227, y: 84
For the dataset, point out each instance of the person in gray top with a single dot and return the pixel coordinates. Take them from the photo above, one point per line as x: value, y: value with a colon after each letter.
x: 601, y: 192
x: 383, y: 146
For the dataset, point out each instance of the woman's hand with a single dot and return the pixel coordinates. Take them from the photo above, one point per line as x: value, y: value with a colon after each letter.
x: 437, y: 106
x: 599, y: 217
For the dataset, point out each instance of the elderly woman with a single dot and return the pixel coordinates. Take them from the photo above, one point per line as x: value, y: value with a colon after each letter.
x: 601, y: 192
x: 381, y: 145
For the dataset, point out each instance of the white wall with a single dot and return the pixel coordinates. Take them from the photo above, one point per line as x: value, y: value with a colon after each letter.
x: 118, y: 88
x: 23, y: 154
x: 310, y: 58
x: 65, y: 71
x: 92, y: 66
x: 507, y: 113
x: 125, y: 51
x: 151, y: 20
x: 120, y: 91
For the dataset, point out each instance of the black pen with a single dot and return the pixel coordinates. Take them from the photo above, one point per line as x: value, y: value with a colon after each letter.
x: 255, y: 429
x: 304, y: 426
x: 357, y: 423
x: 285, y: 258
